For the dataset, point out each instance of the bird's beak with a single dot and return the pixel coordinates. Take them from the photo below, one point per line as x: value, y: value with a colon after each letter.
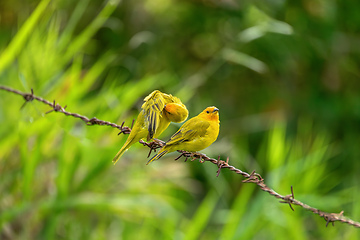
x: 215, y: 110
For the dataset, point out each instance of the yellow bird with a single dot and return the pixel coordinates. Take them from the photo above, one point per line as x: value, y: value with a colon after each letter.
x: 194, y: 135
x: 157, y: 111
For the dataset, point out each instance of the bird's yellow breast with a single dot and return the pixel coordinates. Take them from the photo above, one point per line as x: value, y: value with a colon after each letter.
x: 202, y: 141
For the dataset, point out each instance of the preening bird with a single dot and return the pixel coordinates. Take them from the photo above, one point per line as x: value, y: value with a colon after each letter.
x: 157, y: 111
x: 194, y: 135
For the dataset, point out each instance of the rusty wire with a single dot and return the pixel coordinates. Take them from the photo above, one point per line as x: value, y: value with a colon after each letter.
x: 289, y: 199
x: 58, y: 108
x: 221, y: 164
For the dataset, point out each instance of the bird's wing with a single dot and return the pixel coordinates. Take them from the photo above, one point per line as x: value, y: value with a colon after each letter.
x: 191, y: 129
x: 171, y: 99
x: 153, y: 107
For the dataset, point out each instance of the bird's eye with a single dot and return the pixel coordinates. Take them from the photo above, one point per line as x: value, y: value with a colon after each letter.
x: 207, y: 112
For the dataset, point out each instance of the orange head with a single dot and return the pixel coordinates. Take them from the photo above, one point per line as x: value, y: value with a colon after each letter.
x: 210, y: 114
x: 176, y: 112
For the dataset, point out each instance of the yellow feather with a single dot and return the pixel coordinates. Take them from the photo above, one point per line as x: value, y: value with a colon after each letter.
x: 157, y: 111
x: 194, y: 135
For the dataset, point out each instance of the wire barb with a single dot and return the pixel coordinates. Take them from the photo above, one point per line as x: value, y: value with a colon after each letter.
x: 221, y: 164
x: 28, y: 98
x: 152, y: 145
x: 288, y: 199
x: 254, y: 178
x: 182, y: 154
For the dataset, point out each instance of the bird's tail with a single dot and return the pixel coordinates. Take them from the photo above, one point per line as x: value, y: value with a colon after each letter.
x: 158, y: 155
x: 123, y: 149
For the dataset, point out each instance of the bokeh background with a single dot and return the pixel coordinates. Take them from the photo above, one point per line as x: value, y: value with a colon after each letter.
x: 284, y: 74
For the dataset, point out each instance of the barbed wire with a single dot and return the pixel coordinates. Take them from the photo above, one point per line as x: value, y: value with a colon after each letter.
x: 58, y: 108
x: 252, y: 177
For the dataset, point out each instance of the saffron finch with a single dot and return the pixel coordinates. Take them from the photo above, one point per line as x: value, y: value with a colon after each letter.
x: 194, y: 135
x: 157, y: 111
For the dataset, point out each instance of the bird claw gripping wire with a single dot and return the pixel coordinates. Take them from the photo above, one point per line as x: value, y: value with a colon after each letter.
x: 201, y: 160
x: 288, y: 198
x: 196, y: 155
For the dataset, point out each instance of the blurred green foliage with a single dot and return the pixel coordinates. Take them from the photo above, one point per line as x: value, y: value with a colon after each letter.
x: 285, y: 75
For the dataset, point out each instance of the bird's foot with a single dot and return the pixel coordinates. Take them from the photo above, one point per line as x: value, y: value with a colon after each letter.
x: 159, y: 143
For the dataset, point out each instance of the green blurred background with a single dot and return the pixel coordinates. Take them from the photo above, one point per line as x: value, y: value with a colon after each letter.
x: 284, y: 74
